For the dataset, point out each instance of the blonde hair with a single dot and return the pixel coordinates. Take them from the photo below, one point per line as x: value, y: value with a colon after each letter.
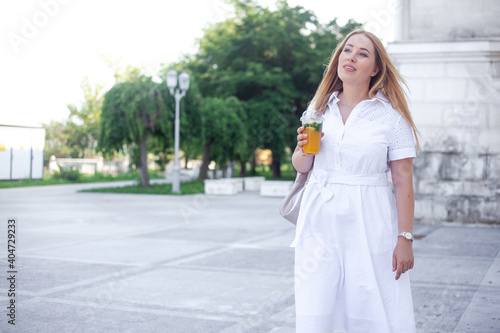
x: 388, y: 80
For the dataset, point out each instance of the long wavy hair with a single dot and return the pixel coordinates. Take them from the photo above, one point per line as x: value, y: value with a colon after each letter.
x: 388, y: 80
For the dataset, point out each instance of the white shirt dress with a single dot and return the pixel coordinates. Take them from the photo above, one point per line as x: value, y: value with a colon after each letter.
x: 347, y: 227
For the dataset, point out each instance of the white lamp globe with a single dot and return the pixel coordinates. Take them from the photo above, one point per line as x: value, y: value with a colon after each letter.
x: 172, y: 79
x: 184, y: 81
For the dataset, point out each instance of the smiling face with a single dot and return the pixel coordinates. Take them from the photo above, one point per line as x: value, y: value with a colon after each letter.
x: 357, y: 61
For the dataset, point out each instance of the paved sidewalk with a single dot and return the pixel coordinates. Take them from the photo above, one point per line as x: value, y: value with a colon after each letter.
x: 93, y: 262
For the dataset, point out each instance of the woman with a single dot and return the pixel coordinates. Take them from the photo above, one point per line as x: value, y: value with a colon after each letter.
x: 353, y: 241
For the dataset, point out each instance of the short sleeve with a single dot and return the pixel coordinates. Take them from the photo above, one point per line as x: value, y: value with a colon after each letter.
x: 402, y: 144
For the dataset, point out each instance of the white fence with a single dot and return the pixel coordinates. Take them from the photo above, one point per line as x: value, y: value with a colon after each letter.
x: 21, y: 152
x: 89, y: 166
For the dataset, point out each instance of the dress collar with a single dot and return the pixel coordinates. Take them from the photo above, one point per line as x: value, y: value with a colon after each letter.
x: 379, y: 96
x: 334, y: 96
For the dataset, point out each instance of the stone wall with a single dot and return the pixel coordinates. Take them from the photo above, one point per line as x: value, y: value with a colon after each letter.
x: 451, y: 20
x: 454, y: 90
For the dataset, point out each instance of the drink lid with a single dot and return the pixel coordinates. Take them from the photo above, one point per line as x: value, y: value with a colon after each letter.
x: 311, y: 116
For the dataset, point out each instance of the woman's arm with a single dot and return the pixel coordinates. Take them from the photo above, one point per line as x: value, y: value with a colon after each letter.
x: 402, y: 179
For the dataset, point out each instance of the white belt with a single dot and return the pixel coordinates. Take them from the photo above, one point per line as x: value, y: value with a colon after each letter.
x: 320, y: 178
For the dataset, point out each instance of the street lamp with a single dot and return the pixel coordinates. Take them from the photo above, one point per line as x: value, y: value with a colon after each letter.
x: 178, y: 94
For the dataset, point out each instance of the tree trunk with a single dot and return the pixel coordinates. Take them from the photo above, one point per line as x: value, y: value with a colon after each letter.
x: 253, y: 164
x: 206, y: 161
x: 187, y: 160
x: 276, y: 167
x: 231, y: 169
x: 243, y: 168
x: 143, y: 162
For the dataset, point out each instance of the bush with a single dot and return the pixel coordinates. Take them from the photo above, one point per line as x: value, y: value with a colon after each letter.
x: 71, y: 174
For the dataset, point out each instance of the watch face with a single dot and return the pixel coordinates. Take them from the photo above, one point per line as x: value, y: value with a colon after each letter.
x: 407, y: 235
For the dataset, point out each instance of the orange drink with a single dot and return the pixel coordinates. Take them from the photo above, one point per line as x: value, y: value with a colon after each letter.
x: 313, y: 138
x: 313, y: 126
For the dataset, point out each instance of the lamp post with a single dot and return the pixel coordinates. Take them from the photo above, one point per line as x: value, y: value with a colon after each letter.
x: 178, y: 94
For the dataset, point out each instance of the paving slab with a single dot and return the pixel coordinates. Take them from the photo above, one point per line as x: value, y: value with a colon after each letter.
x: 255, y: 259
x: 100, y: 262
x: 439, y: 307
x: 482, y: 314
x: 81, y: 317
x: 130, y: 250
x: 237, y: 294
x: 42, y: 276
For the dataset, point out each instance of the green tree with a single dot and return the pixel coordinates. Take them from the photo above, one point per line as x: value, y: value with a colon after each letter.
x: 270, y: 60
x: 131, y: 113
x: 83, y: 123
x: 77, y: 136
x: 223, y: 131
x: 56, y: 138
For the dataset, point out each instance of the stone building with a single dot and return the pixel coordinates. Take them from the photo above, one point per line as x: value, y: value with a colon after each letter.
x: 449, y: 54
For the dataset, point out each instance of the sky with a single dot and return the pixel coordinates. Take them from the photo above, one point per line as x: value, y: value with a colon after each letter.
x: 47, y: 47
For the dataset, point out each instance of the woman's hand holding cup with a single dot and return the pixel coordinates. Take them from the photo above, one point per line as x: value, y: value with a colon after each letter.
x: 302, y: 140
x: 311, y: 132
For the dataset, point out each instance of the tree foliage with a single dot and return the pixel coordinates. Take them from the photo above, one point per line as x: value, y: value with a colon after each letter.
x: 77, y: 136
x: 56, y: 138
x: 132, y: 112
x: 83, y: 122
x: 272, y: 61
x: 224, y: 133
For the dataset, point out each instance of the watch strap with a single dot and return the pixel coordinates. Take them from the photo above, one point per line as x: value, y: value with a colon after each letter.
x: 406, y: 235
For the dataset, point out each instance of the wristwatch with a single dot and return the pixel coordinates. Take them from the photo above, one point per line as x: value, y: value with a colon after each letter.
x: 406, y: 235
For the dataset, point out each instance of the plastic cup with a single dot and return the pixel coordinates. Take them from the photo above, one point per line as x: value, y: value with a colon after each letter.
x: 312, y: 121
